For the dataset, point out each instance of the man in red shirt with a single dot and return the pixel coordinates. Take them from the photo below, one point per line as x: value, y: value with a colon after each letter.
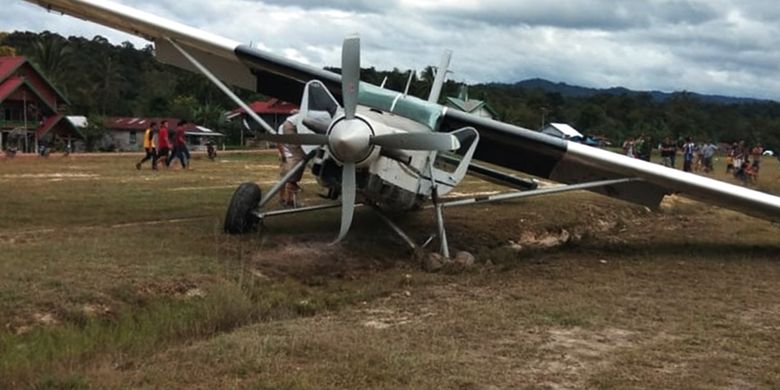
x: 180, y: 146
x: 163, y: 145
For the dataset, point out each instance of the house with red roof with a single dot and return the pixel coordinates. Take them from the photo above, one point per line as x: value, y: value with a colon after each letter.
x: 31, y: 108
x: 272, y: 111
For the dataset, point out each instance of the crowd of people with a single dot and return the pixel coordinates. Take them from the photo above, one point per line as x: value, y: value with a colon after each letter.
x: 741, y: 161
x: 163, y: 146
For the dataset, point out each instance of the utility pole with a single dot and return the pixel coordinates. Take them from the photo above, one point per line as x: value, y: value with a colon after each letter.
x: 24, y: 115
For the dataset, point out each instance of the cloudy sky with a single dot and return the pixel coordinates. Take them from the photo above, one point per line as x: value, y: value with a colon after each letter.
x: 723, y: 47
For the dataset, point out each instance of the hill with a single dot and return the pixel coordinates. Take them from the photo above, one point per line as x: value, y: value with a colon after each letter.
x: 126, y: 81
x: 658, y: 96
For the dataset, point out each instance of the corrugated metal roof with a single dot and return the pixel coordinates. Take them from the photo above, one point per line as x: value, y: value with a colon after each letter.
x: 9, y: 86
x: 47, y: 124
x: 203, y: 131
x: 78, y: 120
x: 9, y: 64
x: 470, y: 105
x: 12, y: 84
x: 270, y: 106
x: 567, y: 130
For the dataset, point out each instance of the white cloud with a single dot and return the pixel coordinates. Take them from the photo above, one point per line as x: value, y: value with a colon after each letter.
x: 709, y: 46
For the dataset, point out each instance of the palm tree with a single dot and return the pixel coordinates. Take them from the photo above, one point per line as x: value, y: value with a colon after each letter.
x: 52, y: 56
x: 209, y: 115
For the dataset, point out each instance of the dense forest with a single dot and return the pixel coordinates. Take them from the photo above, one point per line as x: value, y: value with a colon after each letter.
x: 101, y: 79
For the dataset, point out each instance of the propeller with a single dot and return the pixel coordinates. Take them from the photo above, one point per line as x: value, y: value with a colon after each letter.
x: 350, y: 75
x: 351, y: 139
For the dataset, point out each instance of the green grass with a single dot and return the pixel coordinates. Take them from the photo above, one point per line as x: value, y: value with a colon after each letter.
x: 117, y: 278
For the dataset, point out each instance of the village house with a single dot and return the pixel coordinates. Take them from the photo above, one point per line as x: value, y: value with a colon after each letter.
x: 272, y: 111
x: 562, y: 130
x: 471, y: 106
x: 31, y: 109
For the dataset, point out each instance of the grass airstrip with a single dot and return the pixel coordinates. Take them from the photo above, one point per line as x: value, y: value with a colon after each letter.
x: 117, y: 278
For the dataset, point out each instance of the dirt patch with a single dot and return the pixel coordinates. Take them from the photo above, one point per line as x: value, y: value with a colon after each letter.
x: 569, y: 355
x: 305, y: 257
x: 174, y: 288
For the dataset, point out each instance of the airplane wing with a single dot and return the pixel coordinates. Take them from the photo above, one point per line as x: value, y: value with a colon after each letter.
x: 501, y: 144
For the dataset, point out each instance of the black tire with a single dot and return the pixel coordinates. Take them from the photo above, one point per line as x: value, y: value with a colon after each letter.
x: 239, y: 218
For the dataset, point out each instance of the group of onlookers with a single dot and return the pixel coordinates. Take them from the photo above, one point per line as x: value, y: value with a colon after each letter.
x: 741, y: 161
x: 639, y: 147
x: 163, y: 146
x: 744, y: 162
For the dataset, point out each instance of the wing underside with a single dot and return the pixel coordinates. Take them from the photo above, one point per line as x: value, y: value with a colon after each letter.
x: 501, y: 144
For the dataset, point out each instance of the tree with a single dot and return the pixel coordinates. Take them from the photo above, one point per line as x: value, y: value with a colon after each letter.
x: 184, y: 107
x: 94, y: 132
x: 51, y: 54
x: 209, y: 115
x: 109, y: 82
x: 7, y: 51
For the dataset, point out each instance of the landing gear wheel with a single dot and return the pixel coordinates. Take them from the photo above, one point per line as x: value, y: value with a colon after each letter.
x: 239, y: 218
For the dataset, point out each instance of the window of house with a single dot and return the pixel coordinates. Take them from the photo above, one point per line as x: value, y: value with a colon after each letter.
x: 133, y: 140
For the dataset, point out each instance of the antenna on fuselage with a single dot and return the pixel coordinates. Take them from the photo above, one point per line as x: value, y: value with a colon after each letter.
x: 408, y: 82
x: 383, y: 82
x: 441, y: 75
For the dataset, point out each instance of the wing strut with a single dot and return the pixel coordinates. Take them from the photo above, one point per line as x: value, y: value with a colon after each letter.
x: 537, y: 192
x: 222, y: 87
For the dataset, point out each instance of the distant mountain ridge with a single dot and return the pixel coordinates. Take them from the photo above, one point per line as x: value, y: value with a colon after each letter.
x: 568, y: 90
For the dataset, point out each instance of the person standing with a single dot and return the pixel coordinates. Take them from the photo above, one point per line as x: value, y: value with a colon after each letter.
x: 707, y: 154
x: 290, y: 156
x: 180, y: 146
x: 149, y: 147
x: 668, y: 150
x: 756, y: 153
x: 644, y: 148
x: 688, y: 150
x: 628, y: 148
x: 739, y: 155
x: 163, y: 144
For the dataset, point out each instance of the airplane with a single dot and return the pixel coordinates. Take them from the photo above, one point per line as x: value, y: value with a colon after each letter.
x: 395, y: 150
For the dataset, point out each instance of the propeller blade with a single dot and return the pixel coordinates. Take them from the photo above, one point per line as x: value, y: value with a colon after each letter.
x: 347, y: 199
x: 295, y: 139
x: 350, y: 75
x: 417, y: 141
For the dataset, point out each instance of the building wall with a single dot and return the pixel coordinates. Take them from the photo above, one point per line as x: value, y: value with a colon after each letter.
x: 123, y: 141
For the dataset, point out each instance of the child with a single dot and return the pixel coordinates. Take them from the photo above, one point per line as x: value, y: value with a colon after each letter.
x: 753, y: 171
x: 729, y: 163
x: 743, y: 172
